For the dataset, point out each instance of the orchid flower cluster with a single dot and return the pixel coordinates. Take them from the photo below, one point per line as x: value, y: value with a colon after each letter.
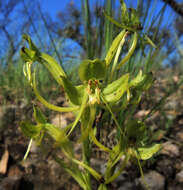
x: 98, y: 90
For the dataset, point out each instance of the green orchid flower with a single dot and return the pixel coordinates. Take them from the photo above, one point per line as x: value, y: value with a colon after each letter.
x: 90, y: 93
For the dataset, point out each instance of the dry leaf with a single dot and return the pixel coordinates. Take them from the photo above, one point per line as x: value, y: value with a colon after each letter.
x: 4, y: 162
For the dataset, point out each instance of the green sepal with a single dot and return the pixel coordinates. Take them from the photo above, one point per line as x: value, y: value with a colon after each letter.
x: 92, y: 69
x: 144, y: 153
x: 137, y: 80
x: 38, y: 115
x: 130, y: 51
x: 124, y: 13
x: 74, y: 94
x: 147, y: 82
x: 31, y: 44
x: 142, y: 81
x: 115, y: 44
x: 47, y: 104
x: 52, y: 65
x: 27, y: 55
x: 29, y: 130
x: 121, y: 86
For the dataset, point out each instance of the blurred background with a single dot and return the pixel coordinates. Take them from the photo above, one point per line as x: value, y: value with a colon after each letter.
x: 70, y: 31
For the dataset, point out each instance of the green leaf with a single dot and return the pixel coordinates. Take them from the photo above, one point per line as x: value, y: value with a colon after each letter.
x: 38, y: 115
x: 147, y: 152
x: 92, y: 69
x: 30, y: 130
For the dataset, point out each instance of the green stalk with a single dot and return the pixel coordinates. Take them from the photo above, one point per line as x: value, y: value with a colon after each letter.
x: 88, y: 31
x: 108, y: 25
x: 112, y: 178
x: 86, y: 126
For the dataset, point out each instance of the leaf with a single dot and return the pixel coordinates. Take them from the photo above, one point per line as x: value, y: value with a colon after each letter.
x: 147, y: 152
x: 92, y: 69
x: 38, y: 115
x: 30, y: 130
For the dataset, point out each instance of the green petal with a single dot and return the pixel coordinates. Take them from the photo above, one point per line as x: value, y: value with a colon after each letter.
x: 47, y: 104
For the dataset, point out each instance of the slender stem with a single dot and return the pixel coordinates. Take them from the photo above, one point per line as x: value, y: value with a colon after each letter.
x: 127, y: 157
x: 142, y: 174
x: 86, y: 126
x: 28, y: 150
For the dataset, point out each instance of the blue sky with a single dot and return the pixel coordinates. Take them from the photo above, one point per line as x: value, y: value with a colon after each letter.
x: 54, y: 6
